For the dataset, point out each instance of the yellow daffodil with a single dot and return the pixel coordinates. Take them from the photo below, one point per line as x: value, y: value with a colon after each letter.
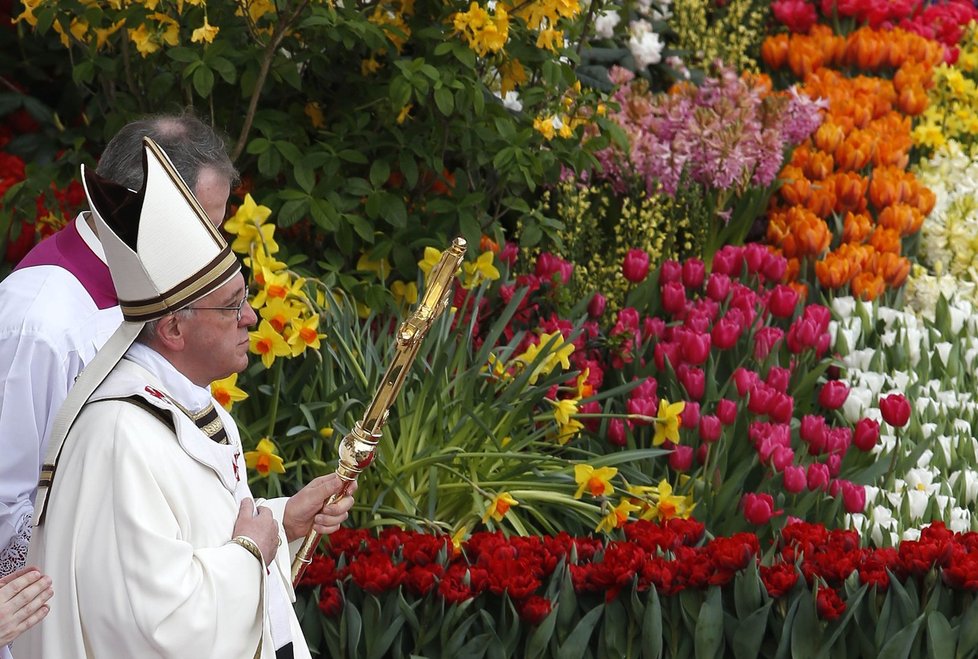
x: 264, y: 459
x: 596, y: 481
x: 248, y: 226
x: 561, y: 352
x: 263, y: 261
x: 268, y: 343
x: 404, y: 293
x: 584, y: 390
x: 431, y: 257
x: 500, y: 505
x: 381, y: 267
x: 226, y: 391
x: 564, y: 409
x: 659, y: 502
x: 567, y: 431
x: 278, y: 285
x: 305, y: 334
x: 279, y: 313
x: 617, y: 516
x: 482, y: 269
x: 667, y: 422
x: 205, y: 33
x: 458, y: 538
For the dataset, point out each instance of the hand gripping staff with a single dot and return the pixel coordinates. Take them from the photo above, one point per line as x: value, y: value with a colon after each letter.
x: 357, y: 448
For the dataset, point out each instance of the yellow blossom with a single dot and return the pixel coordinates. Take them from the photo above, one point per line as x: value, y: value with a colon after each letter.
x: 430, y: 260
x: 369, y: 66
x: 226, y: 391
x: 268, y: 343
x: 484, y: 33
x: 305, y: 335
x: 617, y: 516
x: 315, y: 114
x: 512, y: 75
x: 256, y: 9
x: 552, y: 40
x: 402, y: 116
x: 560, y: 354
x: 248, y: 226
x: 546, y: 126
x: 279, y: 312
x: 326, y: 432
x: 381, y: 267
x: 499, y: 507
x: 278, y: 285
x: 205, y: 33
x: 496, y: 368
x: 667, y: 422
x: 564, y: 409
x: 660, y: 502
x: 30, y: 6
x: 102, y: 34
x: 567, y: 431
x: 263, y: 262
x: 482, y: 268
x: 458, y: 538
x: 404, y: 293
x: 264, y: 459
x: 596, y: 481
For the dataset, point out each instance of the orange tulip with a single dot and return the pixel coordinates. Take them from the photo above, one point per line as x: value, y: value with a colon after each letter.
x: 819, y: 165
x: 804, y: 58
x: 868, y: 285
x: 856, y: 227
x: 888, y: 186
x: 912, y: 101
x: 855, y: 151
x: 866, y: 49
x: 807, y: 233
x: 893, y: 268
x: 885, y: 240
x: 835, y: 271
x: 900, y: 218
x: 796, y: 189
x: 774, y: 51
x: 822, y: 200
x: 850, y: 191
x: 922, y: 198
x: 829, y: 136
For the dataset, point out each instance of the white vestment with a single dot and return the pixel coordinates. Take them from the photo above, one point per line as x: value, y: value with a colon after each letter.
x: 136, y: 539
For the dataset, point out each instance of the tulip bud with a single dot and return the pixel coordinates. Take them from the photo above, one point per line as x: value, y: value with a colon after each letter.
x: 782, y: 301
x: 636, y: 265
x: 726, y: 411
x: 774, y: 267
x: 833, y: 394
x: 690, y: 415
x: 779, y: 378
x: 818, y: 476
x: 693, y: 273
x: 895, y: 409
x: 794, y: 479
x: 710, y: 428
x: 670, y: 271
x: 744, y: 380
x: 681, y: 458
x: 729, y: 260
x: 726, y: 333
x: 673, y: 297
x: 853, y: 497
x: 696, y: 347
x: 759, y: 508
x: 595, y: 308
x: 781, y: 457
x: 693, y: 380
x: 616, y: 432
x: 766, y: 339
x: 754, y: 256
x: 718, y: 286
x: 867, y: 434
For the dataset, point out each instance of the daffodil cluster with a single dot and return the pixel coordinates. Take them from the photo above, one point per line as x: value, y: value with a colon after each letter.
x: 951, y: 113
x: 949, y: 235
x: 289, y: 320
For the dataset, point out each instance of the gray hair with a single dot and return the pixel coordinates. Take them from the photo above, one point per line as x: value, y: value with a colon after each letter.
x: 147, y: 335
x: 189, y: 142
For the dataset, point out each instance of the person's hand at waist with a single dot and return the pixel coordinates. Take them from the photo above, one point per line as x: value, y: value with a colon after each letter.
x: 23, y: 602
x: 307, y: 509
x: 259, y: 526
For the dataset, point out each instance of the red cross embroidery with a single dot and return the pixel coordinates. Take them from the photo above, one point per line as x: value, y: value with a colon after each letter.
x: 155, y: 393
x: 234, y: 464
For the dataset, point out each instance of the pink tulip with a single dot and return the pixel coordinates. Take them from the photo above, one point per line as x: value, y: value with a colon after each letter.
x: 895, y: 409
x: 681, y: 458
x: 670, y: 271
x: 726, y: 411
x: 718, y: 286
x: 794, y: 479
x: 783, y: 301
x: 867, y: 434
x: 616, y: 432
x: 636, y: 265
x: 853, y: 497
x: 710, y: 428
x: 596, y: 307
x: 833, y: 394
x: 779, y: 378
x: 690, y: 415
x: 759, y: 508
x: 673, y: 297
x: 818, y: 476
x: 726, y: 333
x: 694, y: 271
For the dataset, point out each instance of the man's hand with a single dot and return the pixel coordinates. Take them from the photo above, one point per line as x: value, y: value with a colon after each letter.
x: 23, y: 597
x: 262, y: 528
x: 307, y: 508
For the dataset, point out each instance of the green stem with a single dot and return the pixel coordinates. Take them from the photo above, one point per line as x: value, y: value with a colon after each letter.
x: 276, y: 391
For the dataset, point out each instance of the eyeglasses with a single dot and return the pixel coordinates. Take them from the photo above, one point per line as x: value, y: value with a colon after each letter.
x: 238, y: 308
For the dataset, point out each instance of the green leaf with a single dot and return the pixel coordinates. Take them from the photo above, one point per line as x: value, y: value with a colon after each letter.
x: 709, y: 626
x: 968, y: 631
x: 899, y: 645
x: 537, y: 644
x: 750, y: 631
x: 182, y: 54
x: 805, y: 634
x: 380, y: 171
x: 305, y: 177
x: 203, y: 81
x: 652, y: 627
x: 578, y: 640
x: 258, y: 145
x: 444, y: 100
x: 941, y: 639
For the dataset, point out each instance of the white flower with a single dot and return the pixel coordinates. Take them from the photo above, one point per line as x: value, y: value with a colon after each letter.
x: 883, y: 521
x: 943, y: 351
x: 911, y: 535
x: 605, y: 23
x: 511, y: 101
x: 856, y: 403
x: 900, y: 380
x: 921, y: 479
x: 960, y: 521
x: 644, y: 44
x: 970, y: 484
x: 844, y: 306
x: 962, y: 425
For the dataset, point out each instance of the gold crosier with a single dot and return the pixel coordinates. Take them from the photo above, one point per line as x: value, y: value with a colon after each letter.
x: 356, y: 450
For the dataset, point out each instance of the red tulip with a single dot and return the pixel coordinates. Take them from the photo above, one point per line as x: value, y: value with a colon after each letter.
x: 681, y: 458
x: 779, y: 378
x: 694, y: 271
x: 696, y: 347
x: 794, y: 479
x: 895, y: 409
x: 853, y: 497
x: 759, y: 508
x: 710, y: 428
x: 693, y: 380
x: 616, y: 432
x: 690, y: 415
x: 670, y: 271
x: 726, y: 333
x: 673, y: 297
x: 867, y: 434
x: 636, y: 265
x: 818, y: 476
x: 783, y: 301
x: 833, y: 394
x: 596, y: 307
x: 726, y: 411
x: 718, y: 286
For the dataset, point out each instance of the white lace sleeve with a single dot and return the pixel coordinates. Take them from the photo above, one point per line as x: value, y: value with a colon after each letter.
x: 14, y: 555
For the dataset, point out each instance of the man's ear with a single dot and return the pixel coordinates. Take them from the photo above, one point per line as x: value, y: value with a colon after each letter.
x: 171, y: 332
